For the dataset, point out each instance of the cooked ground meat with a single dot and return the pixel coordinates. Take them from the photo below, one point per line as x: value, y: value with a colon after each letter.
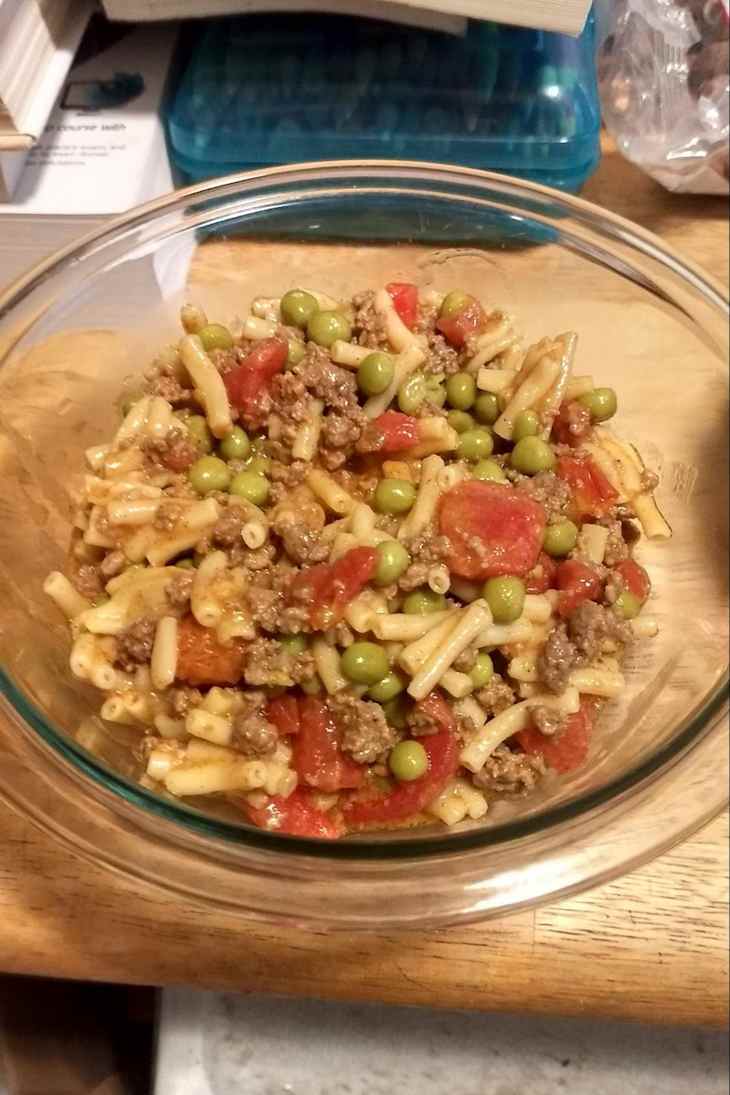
x: 420, y: 723
x: 254, y: 735
x: 591, y: 624
x: 176, y: 452
x: 335, y: 386
x: 557, y: 659
x: 366, y: 734
x: 551, y: 492
x: 270, y: 665
x: 578, y: 642
x: 170, y: 388
x: 428, y: 547
x: 302, y: 544
x: 265, y: 606
x: 227, y: 529
x: 340, y: 433
x: 649, y: 479
x: 183, y: 698
x: 168, y: 515
x: 289, y: 475
x: 134, y: 645
x: 113, y: 564
x: 509, y: 773
x: 616, y: 546
x: 368, y: 328
x: 575, y: 423
x: 442, y: 358
x: 177, y: 590
x: 466, y: 659
x: 88, y: 581
x: 496, y: 696
x: 414, y: 576
x: 547, y: 720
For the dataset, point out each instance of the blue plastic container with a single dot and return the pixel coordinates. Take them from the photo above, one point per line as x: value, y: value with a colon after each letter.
x: 258, y: 91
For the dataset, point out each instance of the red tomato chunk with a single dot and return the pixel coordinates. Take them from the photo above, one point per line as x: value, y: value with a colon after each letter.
x: 493, y: 529
x: 566, y: 750
x: 201, y: 659
x: 296, y: 815
x: 577, y: 582
x: 542, y: 576
x: 283, y: 712
x: 394, y: 432
x: 318, y: 759
x: 456, y: 329
x: 329, y: 587
x: 593, y: 495
x: 405, y: 301
x: 634, y: 578
x: 572, y: 423
x: 248, y: 384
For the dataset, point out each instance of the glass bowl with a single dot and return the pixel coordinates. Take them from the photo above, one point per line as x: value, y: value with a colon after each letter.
x: 649, y: 323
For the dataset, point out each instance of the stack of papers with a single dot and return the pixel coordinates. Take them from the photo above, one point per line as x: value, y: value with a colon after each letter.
x: 38, y: 40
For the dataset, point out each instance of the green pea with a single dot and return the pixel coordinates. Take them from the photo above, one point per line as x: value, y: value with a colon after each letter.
x: 454, y: 303
x: 435, y: 391
x: 460, y: 421
x: 185, y: 564
x: 375, y: 373
x: 252, y: 486
x: 486, y: 408
x: 209, y: 473
x: 627, y: 605
x: 311, y: 687
x: 532, y: 455
x: 297, y: 308
x: 296, y: 352
x: 395, y: 712
x: 412, y: 393
x: 482, y: 670
x: 560, y: 538
x: 364, y: 663
x: 489, y: 471
x: 476, y: 444
x: 215, y: 336
x: 235, y: 445
x: 394, y: 496
x: 461, y: 391
x: 408, y: 760
x: 392, y: 561
x: 293, y: 644
x: 391, y: 686
x: 259, y: 463
x: 324, y: 328
x: 199, y: 433
x: 527, y: 424
x: 601, y: 402
x: 506, y: 598
x: 423, y: 601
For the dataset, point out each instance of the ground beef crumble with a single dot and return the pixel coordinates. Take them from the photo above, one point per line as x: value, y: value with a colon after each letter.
x: 509, y: 773
x: 578, y: 642
x: 496, y: 696
x: 366, y: 734
x: 270, y: 665
x: 88, y: 581
x: 134, y: 645
x: 547, y: 720
x: 551, y: 492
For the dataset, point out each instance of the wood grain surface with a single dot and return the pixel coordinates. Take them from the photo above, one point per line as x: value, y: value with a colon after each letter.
x: 651, y: 946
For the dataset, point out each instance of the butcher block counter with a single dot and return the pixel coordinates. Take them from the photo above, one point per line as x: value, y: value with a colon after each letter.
x: 650, y: 946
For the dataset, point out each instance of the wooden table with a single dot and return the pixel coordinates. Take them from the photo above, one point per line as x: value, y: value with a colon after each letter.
x: 651, y: 946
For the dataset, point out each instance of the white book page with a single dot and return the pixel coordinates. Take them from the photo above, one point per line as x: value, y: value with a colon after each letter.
x: 104, y: 160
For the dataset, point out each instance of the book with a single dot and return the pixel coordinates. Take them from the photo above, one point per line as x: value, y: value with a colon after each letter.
x: 566, y: 16
x: 38, y: 40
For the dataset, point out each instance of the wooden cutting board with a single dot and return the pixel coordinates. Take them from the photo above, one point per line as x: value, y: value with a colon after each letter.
x: 650, y: 946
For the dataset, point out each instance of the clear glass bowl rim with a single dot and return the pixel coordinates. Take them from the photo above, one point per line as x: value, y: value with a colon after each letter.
x: 348, y: 174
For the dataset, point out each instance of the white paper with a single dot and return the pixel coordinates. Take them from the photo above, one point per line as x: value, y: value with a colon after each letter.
x: 101, y: 161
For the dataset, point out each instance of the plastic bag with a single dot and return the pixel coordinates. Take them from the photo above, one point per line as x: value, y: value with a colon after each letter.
x: 663, y: 77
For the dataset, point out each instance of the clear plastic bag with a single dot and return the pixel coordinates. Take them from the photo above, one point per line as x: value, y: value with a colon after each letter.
x: 663, y: 77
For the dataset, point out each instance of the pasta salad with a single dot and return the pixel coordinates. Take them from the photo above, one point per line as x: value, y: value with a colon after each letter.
x: 362, y: 564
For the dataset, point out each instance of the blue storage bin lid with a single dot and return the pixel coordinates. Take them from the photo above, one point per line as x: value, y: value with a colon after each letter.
x: 263, y: 90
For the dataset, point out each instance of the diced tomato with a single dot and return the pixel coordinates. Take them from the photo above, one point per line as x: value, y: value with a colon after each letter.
x: 201, y: 659
x: 283, y: 712
x: 566, y: 750
x: 392, y: 432
x: 248, y: 384
x: 492, y: 529
x: 467, y: 322
x: 542, y: 575
x: 407, y: 799
x: 405, y: 301
x: 577, y: 582
x: 318, y: 759
x: 438, y: 708
x: 593, y: 495
x: 572, y: 423
x: 329, y: 587
x: 296, y: 815
x: 634, y: 578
